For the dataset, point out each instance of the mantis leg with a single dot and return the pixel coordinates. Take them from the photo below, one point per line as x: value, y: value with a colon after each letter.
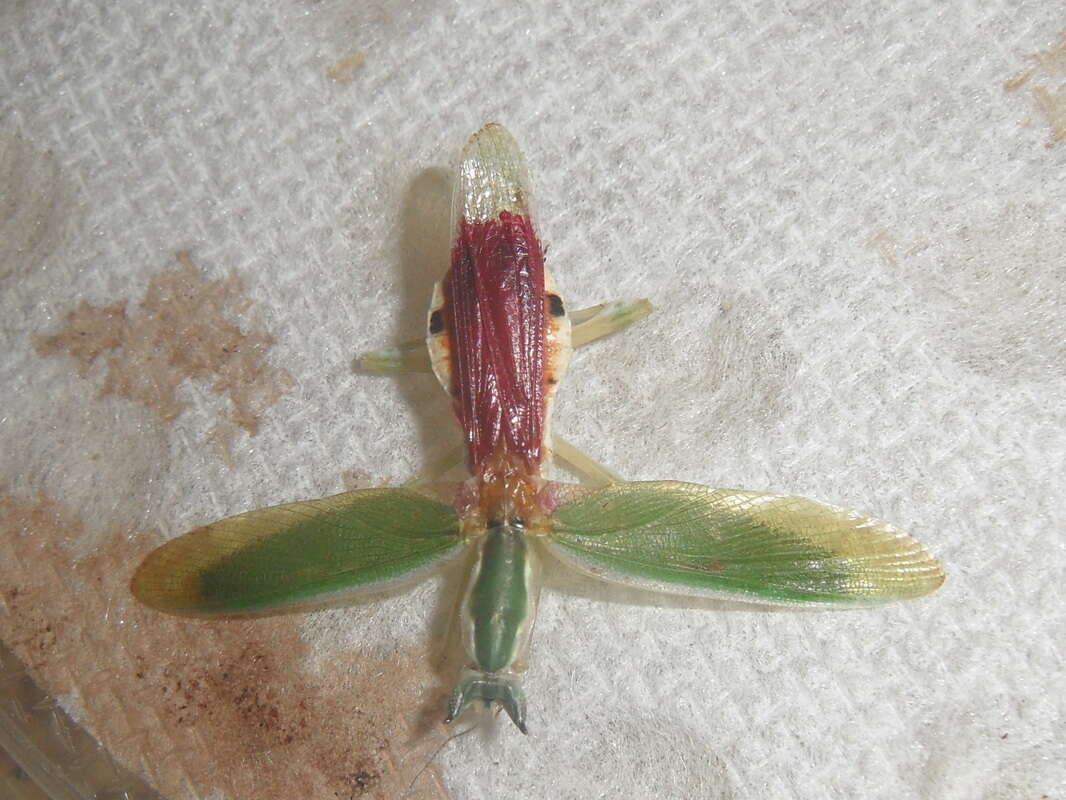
x: 595, y: 322
x: 590, y: 324
x: 439, y: 468
x: 406, y: 357
x: 586, y: 465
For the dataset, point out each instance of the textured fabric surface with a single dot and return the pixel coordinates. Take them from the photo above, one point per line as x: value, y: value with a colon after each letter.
x: 849, y: 218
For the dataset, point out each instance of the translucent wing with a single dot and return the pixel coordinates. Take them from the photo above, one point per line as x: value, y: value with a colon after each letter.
x: 300, y: 554
x: 492, y: 178
x: 689, y: 539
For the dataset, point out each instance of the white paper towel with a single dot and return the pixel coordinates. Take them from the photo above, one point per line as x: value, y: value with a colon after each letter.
x: 851, y: 227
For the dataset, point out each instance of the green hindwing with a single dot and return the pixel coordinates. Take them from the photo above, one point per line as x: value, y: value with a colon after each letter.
x: 300, y: 555
x: 690, y: 539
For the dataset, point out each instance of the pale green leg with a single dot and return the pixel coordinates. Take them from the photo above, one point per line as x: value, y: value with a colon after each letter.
x: 595, y: 322
x: 439, y: 468
x: 597, y: 473
x: 406, y: 357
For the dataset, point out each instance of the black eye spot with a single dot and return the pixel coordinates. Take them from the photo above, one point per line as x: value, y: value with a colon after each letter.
x: 555, y: 305
x: 436, y: 322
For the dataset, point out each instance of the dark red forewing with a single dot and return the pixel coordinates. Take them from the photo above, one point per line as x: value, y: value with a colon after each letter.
x: 494, y: 313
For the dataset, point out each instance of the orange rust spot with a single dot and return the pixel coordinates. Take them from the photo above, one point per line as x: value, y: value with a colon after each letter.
x: 1053, y: 106
x: 1050, y: 65
x: 1053, y: 60
x: 88, y: 332
x: 345, y: 69
x: 182, y: 330
x: 220, y: 437
x: 1019, y: 80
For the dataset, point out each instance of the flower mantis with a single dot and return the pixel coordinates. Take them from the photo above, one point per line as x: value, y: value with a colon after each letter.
x: 499, y: 337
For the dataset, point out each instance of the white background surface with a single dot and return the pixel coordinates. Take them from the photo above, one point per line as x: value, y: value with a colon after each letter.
x: 854, y: 237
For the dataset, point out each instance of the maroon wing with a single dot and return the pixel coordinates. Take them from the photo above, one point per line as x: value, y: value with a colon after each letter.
x: 494, y: 304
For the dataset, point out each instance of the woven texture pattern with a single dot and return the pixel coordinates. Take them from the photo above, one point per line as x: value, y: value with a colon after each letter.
x: 849, y: 219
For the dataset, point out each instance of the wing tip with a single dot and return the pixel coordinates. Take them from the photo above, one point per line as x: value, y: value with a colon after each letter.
x: 157, y: 585
x: 491, y: 128
x: 934, y: 578
x: 493, y: 177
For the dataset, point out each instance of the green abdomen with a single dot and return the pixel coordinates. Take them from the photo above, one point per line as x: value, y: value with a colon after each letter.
x: 499, y: 606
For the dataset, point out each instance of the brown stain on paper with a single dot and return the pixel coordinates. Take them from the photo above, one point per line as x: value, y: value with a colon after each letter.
x: 1050, y: 65
x: 890, y: 250
x: 199, y: 706
x: 345, y: 69
x: 181, y: 330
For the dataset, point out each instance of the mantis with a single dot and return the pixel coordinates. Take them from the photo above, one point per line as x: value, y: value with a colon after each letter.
x: 498, y: 338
